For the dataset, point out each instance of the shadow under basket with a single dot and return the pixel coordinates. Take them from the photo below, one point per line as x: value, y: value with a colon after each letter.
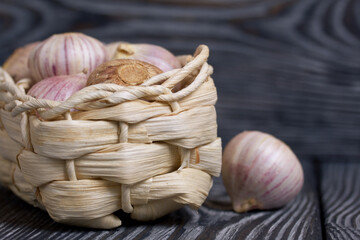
x: 147, y: 149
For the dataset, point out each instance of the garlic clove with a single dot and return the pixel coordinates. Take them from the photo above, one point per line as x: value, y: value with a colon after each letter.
x: 66, y: 54
x: 125, y: 72
x: 153, y: 54
x: 58, y: 88
x: 17, y: 64
x: 260, y: 172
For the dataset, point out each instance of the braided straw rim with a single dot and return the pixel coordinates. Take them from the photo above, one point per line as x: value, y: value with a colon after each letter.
x: 105, y: 95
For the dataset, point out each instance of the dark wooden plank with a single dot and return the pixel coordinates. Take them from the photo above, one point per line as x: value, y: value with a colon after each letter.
x: 298, y: 220
x: 340, y: 195
x: 208, y: 10
x: 215, y: 220
x: 287, y: 67
x: 290, y: 68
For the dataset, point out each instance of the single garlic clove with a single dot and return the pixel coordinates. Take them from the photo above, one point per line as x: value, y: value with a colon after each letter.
x: 17, y: 64
x: 260, y: 172
x: 155, y: 55
x: 66, y: 54
x: 125, y: 72
x: 58, y: 88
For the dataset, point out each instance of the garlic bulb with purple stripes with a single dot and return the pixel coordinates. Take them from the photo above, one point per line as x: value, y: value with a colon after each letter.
x: 153, y: 54
x: 111, y: 49
x: 66, y: 54
x: 17, y: 64
x: 58, y: 88
x: 260, y: 172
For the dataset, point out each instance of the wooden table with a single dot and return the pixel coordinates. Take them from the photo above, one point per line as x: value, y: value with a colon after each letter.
x: 289, y: 68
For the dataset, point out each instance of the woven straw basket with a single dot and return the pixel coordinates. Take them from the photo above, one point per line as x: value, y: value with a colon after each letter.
x: 142, y: 149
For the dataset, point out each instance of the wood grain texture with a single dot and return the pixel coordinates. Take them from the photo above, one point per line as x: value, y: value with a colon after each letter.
x: 290, y: 68
x: 340, y: 184
x: 215, y: 220
x: 287, y: 67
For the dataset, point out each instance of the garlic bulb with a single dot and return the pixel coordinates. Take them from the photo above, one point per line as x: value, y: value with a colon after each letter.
x: 17, y: 64
x: 260, y: 172
x: 155, y: 55
x: 66, y: 54
x: 58, y: 88
x: 111, y: 49
x: 125, y: 72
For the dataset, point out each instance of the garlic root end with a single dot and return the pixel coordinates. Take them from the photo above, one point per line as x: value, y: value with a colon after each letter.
x: 246, y: 205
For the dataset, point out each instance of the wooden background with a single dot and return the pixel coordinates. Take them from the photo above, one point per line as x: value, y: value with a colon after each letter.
x: 287, y: 67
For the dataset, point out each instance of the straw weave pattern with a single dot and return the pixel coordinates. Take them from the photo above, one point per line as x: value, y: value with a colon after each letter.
x: 144, y: 149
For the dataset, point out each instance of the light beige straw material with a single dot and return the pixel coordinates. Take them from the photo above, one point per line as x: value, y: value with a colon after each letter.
x: 147, y: 150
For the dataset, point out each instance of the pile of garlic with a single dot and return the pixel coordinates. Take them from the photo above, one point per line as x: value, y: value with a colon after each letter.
x: 63, y: 64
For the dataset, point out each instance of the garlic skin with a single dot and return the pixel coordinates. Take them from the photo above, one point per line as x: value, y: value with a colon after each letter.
x: 58, y: 88
x: 66, y: 54
x: 111, y: 49
x: 124, y: 72
x: 153, y: 54
x: 260, y: 172
x: 17, y: 64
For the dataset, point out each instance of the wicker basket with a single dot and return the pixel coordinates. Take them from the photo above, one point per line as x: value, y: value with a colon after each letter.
x: 142, y: 149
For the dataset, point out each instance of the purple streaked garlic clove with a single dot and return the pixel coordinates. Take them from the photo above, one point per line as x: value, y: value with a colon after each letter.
x: 260, y: 172
x: 17, y: 64
x: 58, y: 88
x: 66, y: 54
x: 153, y: 54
